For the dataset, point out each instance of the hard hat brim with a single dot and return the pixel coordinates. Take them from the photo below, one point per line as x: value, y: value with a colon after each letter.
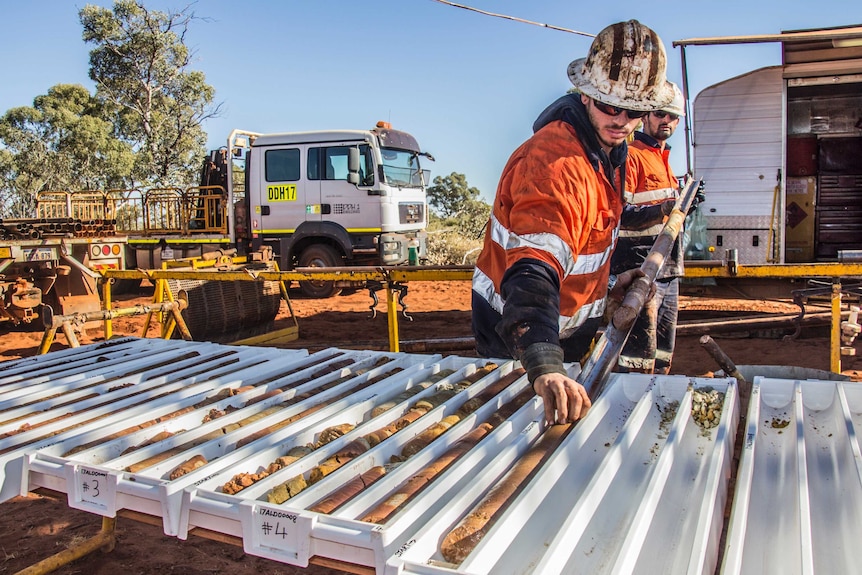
x: 661, y: 97
x: 677, y: 105
x: 671, y: 110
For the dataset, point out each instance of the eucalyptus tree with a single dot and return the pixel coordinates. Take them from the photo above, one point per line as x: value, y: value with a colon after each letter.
x: 458, y: 204
x: 62, y: 142
x: 141, y: 66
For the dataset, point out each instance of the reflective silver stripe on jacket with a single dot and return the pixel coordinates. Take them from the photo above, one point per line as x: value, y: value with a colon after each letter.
x: 483, y: 286
x: 650, y: 231
x: 649, y: 197
x: 560, y: 250
x: 554, y: 245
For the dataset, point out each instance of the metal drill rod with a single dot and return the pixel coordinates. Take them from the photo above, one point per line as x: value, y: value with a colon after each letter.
x: 594, y: 374
x: 729, y: 368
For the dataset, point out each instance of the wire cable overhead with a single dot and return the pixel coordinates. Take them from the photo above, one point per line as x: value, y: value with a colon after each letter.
x: 549, y: 26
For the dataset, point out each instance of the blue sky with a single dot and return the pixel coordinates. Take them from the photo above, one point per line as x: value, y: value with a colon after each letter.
x: 466, y: 85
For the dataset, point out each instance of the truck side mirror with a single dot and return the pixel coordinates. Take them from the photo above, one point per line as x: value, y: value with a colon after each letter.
x: 353, y: 166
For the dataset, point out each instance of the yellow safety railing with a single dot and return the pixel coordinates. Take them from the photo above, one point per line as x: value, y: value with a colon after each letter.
x: 206, y: 209
x: 164, y: 211
x: 187, y: 211
x: 126, y: 207
x: 86, y: 205
x: 390, y: 278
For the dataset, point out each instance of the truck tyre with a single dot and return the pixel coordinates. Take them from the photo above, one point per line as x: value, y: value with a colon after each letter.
x: 318, y: 256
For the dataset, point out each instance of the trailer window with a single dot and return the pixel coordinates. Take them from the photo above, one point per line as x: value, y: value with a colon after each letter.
x: 282, y: 165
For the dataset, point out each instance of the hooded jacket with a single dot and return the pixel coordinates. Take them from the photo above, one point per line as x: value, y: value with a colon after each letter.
x: 542, y: 277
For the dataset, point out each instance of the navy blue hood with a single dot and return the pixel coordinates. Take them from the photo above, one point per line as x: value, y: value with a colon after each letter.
x: 571, y: 110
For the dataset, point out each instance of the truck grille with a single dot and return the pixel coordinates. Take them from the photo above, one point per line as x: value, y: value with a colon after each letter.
x: 411, y: 213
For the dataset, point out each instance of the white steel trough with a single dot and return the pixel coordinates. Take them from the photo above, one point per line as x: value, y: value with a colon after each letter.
x: 213, y: 438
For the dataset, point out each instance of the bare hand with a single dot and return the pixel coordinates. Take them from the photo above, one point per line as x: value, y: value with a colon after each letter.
x: 565, y: 399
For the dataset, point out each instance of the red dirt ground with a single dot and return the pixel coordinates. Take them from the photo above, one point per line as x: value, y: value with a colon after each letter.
x: 35, y: 527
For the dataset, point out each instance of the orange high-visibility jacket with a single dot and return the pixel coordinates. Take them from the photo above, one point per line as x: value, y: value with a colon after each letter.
x: 552, y: 205
x: 649, y: 177
x: 650, y: 182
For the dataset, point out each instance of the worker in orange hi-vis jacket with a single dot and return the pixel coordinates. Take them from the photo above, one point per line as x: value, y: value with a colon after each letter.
x: 541, y: 282
x: 651, y: 193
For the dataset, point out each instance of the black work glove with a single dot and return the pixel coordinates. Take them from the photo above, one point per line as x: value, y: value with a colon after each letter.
x: 699, y: 196
x: 667, y: 207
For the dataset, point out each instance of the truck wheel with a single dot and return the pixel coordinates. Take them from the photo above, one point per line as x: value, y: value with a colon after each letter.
x: 318, y: 256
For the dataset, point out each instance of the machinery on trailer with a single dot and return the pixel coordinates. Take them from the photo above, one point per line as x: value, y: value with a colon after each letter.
x: 55, y: 258
x: 51, y: 265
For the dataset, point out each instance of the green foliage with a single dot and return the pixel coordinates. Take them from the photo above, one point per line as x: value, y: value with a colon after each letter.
x: 142, y: 127
x: 140, y: 64
x: 14, y: 202
x: 447, y: 246
x: 455, y: 228
x: 62, y: 142
x: 472, y: 219
x: 449, y: 194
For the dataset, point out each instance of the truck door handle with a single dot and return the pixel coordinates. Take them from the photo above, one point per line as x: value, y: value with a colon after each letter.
x: 264, y: 210
x: 325, y: 208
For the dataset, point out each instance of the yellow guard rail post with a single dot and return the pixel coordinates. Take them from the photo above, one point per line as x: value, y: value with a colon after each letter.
x: 840, y: 333
x: 835, y: 331
x: 392, y: 318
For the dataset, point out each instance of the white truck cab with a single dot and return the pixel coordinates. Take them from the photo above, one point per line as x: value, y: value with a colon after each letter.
x: 334, y: 198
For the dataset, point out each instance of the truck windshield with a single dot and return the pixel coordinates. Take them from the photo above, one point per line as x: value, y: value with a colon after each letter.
x: 401, y: 168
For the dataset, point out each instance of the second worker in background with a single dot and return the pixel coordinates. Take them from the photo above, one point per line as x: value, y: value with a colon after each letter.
x: 651, y: 193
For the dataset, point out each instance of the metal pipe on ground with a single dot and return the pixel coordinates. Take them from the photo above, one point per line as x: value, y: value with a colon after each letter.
x: 56, y: 321
x: 688, y: 328
x: 754, y: 323
x: 437, y: 345
x: 725, y: 363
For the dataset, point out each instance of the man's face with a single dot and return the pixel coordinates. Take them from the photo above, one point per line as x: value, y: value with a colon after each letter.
x: 611, y: 130
x: 660, y: 125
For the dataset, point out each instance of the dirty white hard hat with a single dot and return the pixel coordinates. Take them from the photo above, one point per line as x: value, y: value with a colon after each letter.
x: 626, y: 67
x: 677, y: 105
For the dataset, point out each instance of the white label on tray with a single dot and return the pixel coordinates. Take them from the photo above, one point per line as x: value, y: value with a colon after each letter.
x: 94, y: 490
x: 280, y: 534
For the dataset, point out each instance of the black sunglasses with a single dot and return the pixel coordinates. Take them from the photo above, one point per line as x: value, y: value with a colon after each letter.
x: 661, y: 114
x: 615, y: 111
